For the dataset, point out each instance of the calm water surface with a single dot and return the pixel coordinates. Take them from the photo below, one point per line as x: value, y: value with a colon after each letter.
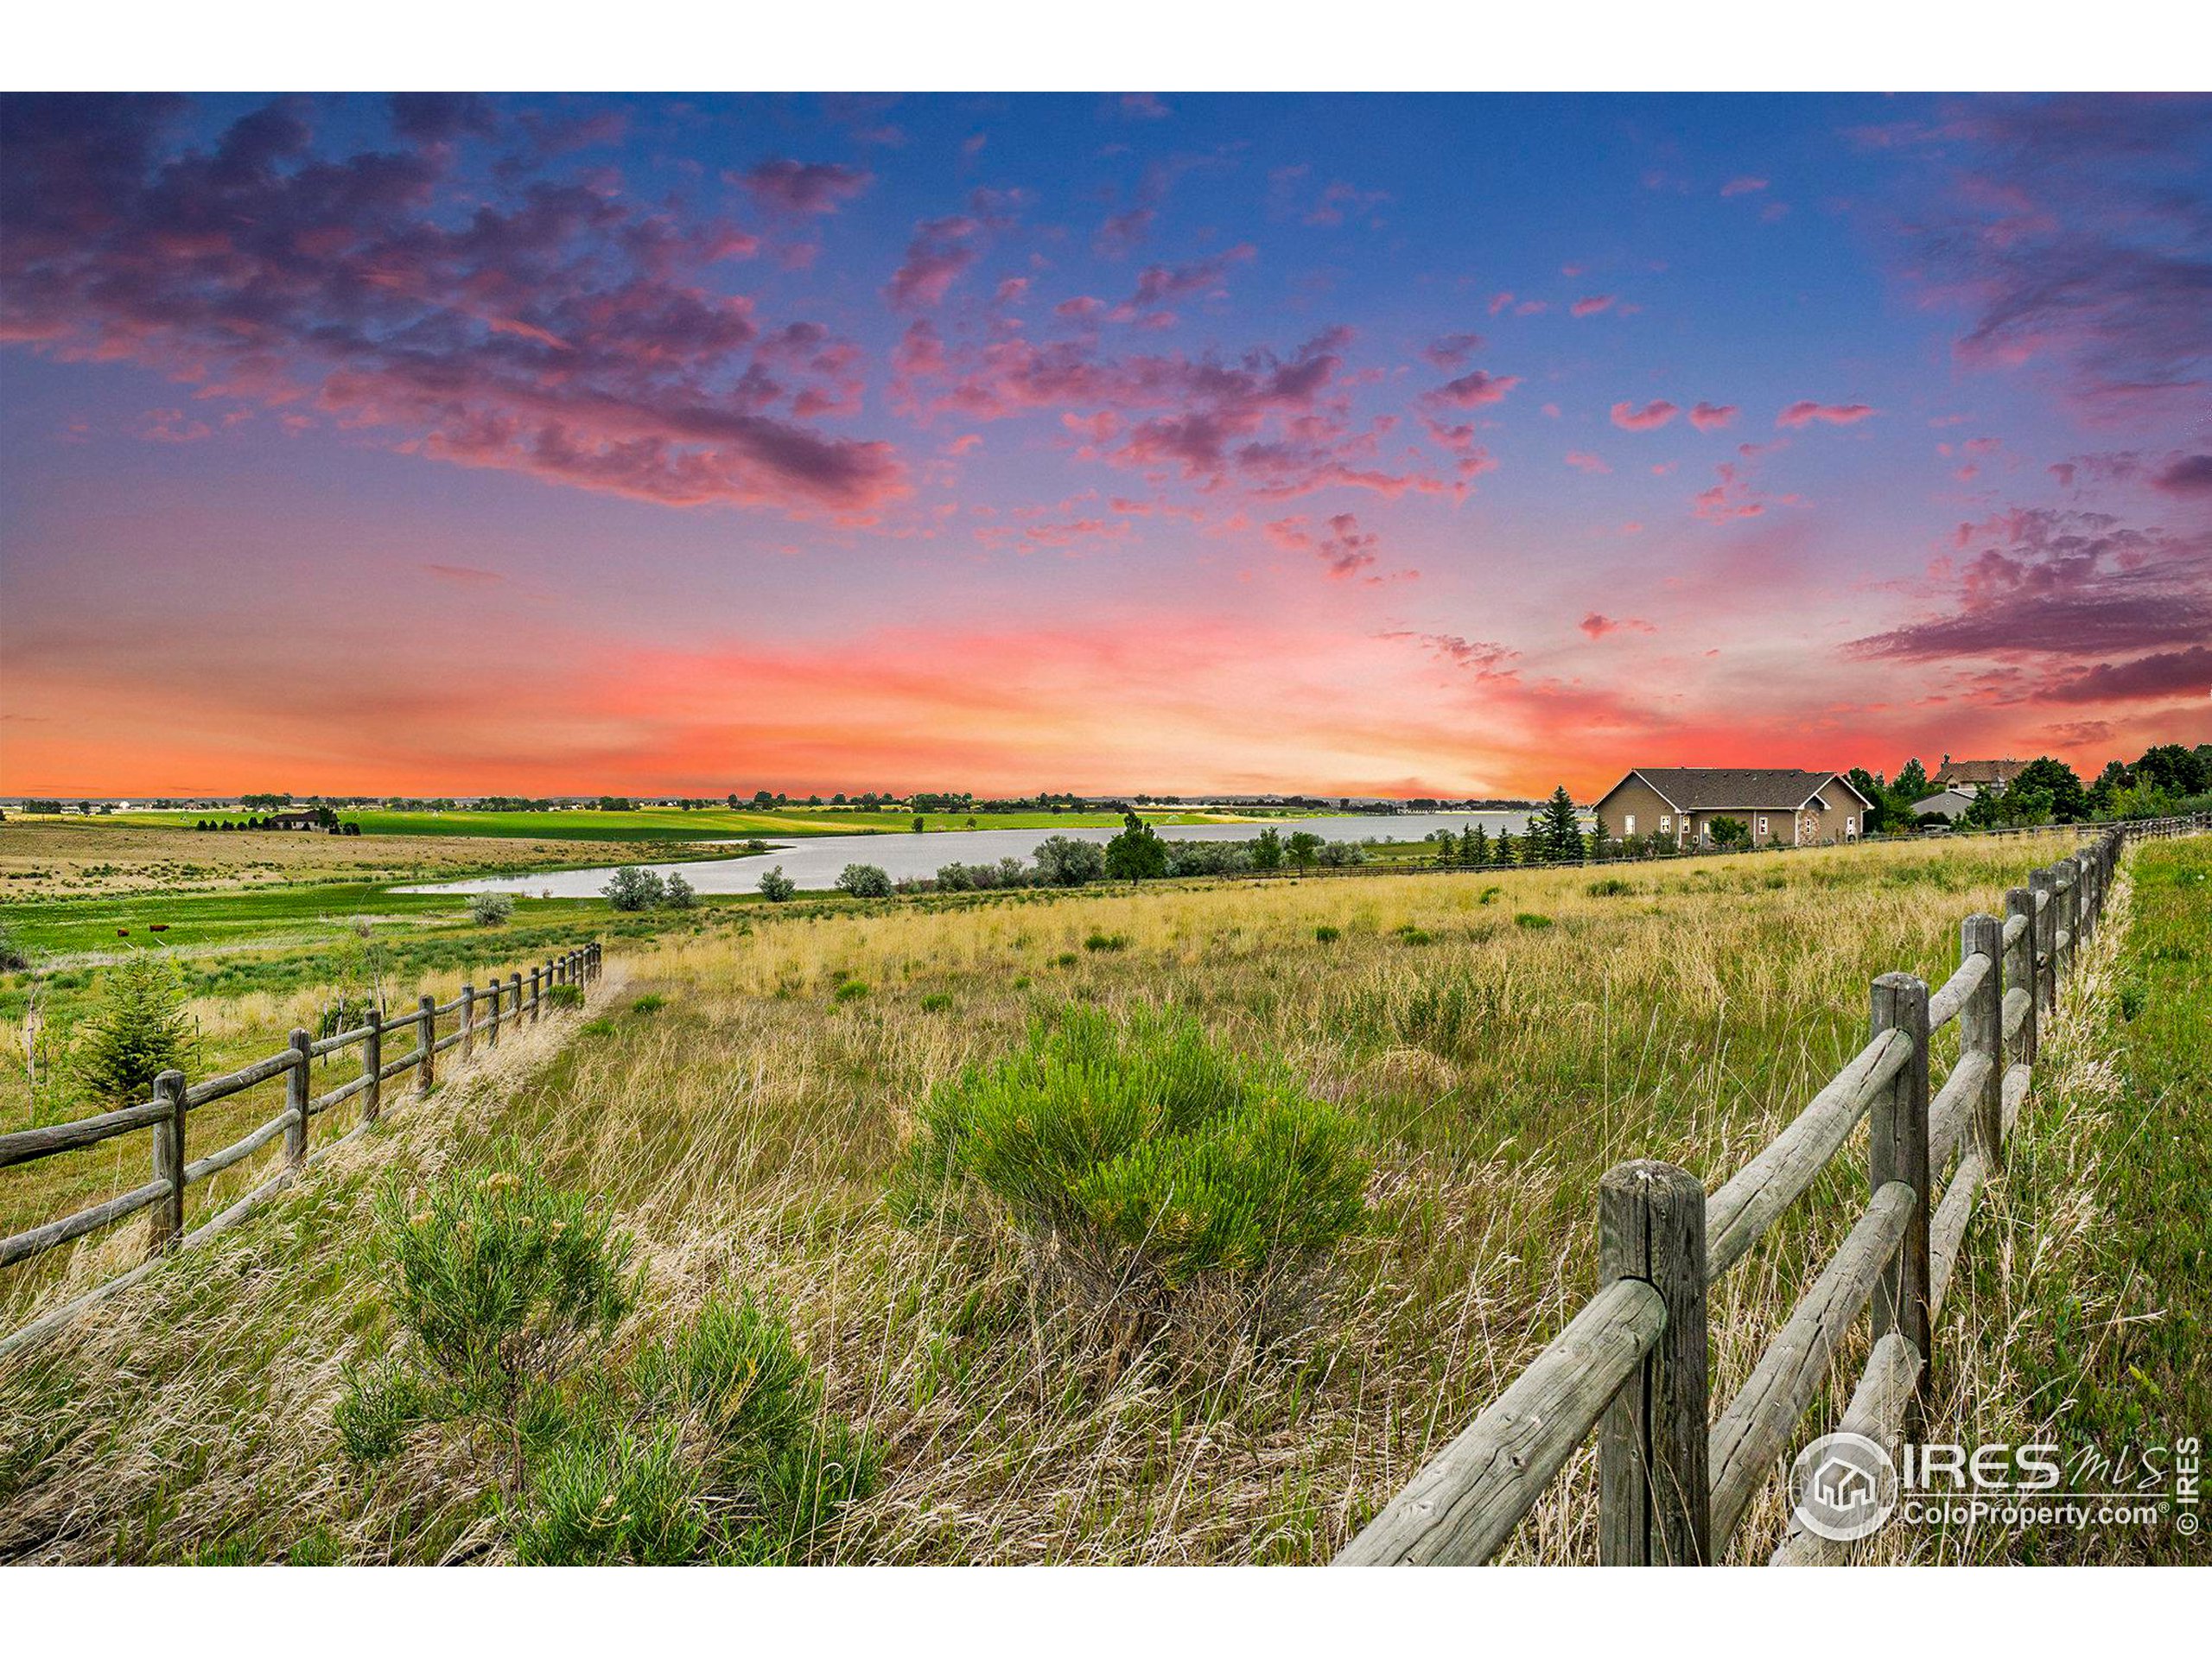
x: 816, y: 862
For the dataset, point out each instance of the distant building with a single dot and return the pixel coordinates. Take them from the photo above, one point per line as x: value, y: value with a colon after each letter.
x: 1974, y: 776
x: 291, y: 821
x: 1949, y: 805
x: 1776, y: 803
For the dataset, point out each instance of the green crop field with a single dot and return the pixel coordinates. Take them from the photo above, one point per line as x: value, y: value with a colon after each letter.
x: 705, y: 823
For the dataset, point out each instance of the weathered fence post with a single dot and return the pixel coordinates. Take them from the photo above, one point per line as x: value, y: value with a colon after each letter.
x: 167, y: 1226
x: 1898, y: 1150
x: 2070, y: 914
x: 296, y: 1087
x: 426, y: 1042
x: 2020, y: 972
x: 514, y: 989
x: 1982, y: 1031
x: 533, y: 995
x: 2043, y: 884
x: 491, y: 1019
x: 1654, y: 1493
x: 372, y: 1067
x: 468, y: 1024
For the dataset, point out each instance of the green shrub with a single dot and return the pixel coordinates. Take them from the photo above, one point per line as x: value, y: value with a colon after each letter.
x: 776, y: 887
x: 499, y: 1279
x: 489, y: 909
x: 851, y: 990
x: 1410, y: 934
x: 1327, y: 935
x: 936, y: 1003
x: 566, y: 996
x: 707, y: 1445
x: 650, y: 1003
x: 711, y: 1445
x: 1107, y: 942
x: 1612, y: 887
x: 1530, y: 920
x: 864, y: 881
x: 632, y: 888
x: 138, y: 1030
x: 1066, y: 959
x: 1138, y: 1158
x: 12, y: 956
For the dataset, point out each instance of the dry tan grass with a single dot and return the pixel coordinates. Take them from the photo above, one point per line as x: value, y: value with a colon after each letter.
x: 746, y: 1131
x: 73, y: 858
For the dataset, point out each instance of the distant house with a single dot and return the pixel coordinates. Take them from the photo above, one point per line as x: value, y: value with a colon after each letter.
x: 1775, y: 803
x: 291, y: 820
x: 1949, y: 805
x: 1974, y: 776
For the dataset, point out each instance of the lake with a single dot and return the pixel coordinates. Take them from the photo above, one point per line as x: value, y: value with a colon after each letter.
x: 815, y: 863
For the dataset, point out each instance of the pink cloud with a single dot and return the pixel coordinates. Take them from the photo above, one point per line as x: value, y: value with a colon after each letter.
x: 1449, y: 351
x: 1586, y: 462
x: 1651, y: 416
x: 941, y: 250
x: 1590, y: 305
x: 1477, y: 389
x: 1597, y: 627
x: 557, y: 331
x: 1743, y: 187
x: 785, y: 185
x: 1710, y: 418
x: 1805, y: 412
x: 1341, y: 545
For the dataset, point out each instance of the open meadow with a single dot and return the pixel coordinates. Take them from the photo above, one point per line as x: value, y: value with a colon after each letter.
x: 744, y: 1095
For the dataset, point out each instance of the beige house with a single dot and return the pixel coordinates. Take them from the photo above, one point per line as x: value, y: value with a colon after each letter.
x: 1775, y: 803
x: 1969, y: 776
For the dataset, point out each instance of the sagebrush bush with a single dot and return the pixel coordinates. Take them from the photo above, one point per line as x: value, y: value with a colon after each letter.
x: 490, y: 909
x: 1138, y: 1159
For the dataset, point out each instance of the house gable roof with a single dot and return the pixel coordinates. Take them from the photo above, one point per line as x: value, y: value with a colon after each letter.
x: 1977, y: 772
x: 1719, y: 789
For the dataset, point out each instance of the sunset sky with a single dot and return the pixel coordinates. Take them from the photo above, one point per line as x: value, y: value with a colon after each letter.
x: 1397, y: 445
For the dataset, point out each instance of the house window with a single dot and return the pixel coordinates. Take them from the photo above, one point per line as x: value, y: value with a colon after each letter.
x: 1630, y: 822
x: 1665, y: 823
x: 1850, y: 826
x: 1762, y: 823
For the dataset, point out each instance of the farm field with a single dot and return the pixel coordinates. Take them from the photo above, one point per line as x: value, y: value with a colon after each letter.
x: 742, y: 1098
x: 46, y: 859
x: 663, y: 825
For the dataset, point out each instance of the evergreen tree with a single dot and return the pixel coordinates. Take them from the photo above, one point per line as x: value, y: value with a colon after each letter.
x: 1475, y: 845
x: 1556, y: 837
x: 1503, y: 849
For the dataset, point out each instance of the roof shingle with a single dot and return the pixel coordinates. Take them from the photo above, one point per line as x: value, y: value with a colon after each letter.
x: 1713, y: 789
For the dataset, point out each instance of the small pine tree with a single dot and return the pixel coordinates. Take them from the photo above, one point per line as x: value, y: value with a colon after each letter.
x: 1474, y: 846
x: 1503, y: 849
x: 139, y: 1030
x: 1556, y: 837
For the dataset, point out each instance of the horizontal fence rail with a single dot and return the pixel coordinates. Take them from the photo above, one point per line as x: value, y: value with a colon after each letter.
x: 1674, y: 1479
x: 476, y: 1016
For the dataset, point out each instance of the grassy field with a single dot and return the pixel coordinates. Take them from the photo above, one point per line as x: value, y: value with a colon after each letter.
x: 50, y: 859
x: 652, y: 824
x: 741, y: 1100
x: 2086, y: 1319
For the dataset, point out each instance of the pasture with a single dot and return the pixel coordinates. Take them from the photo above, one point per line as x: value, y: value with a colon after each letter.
x: 742, y: 1098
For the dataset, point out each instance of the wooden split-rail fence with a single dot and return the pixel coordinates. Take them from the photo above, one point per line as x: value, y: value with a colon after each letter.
x: 476, y: 1015
x: 1674, y: 1480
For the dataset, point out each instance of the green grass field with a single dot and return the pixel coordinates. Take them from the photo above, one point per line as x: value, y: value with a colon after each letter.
x: 707, y: 823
